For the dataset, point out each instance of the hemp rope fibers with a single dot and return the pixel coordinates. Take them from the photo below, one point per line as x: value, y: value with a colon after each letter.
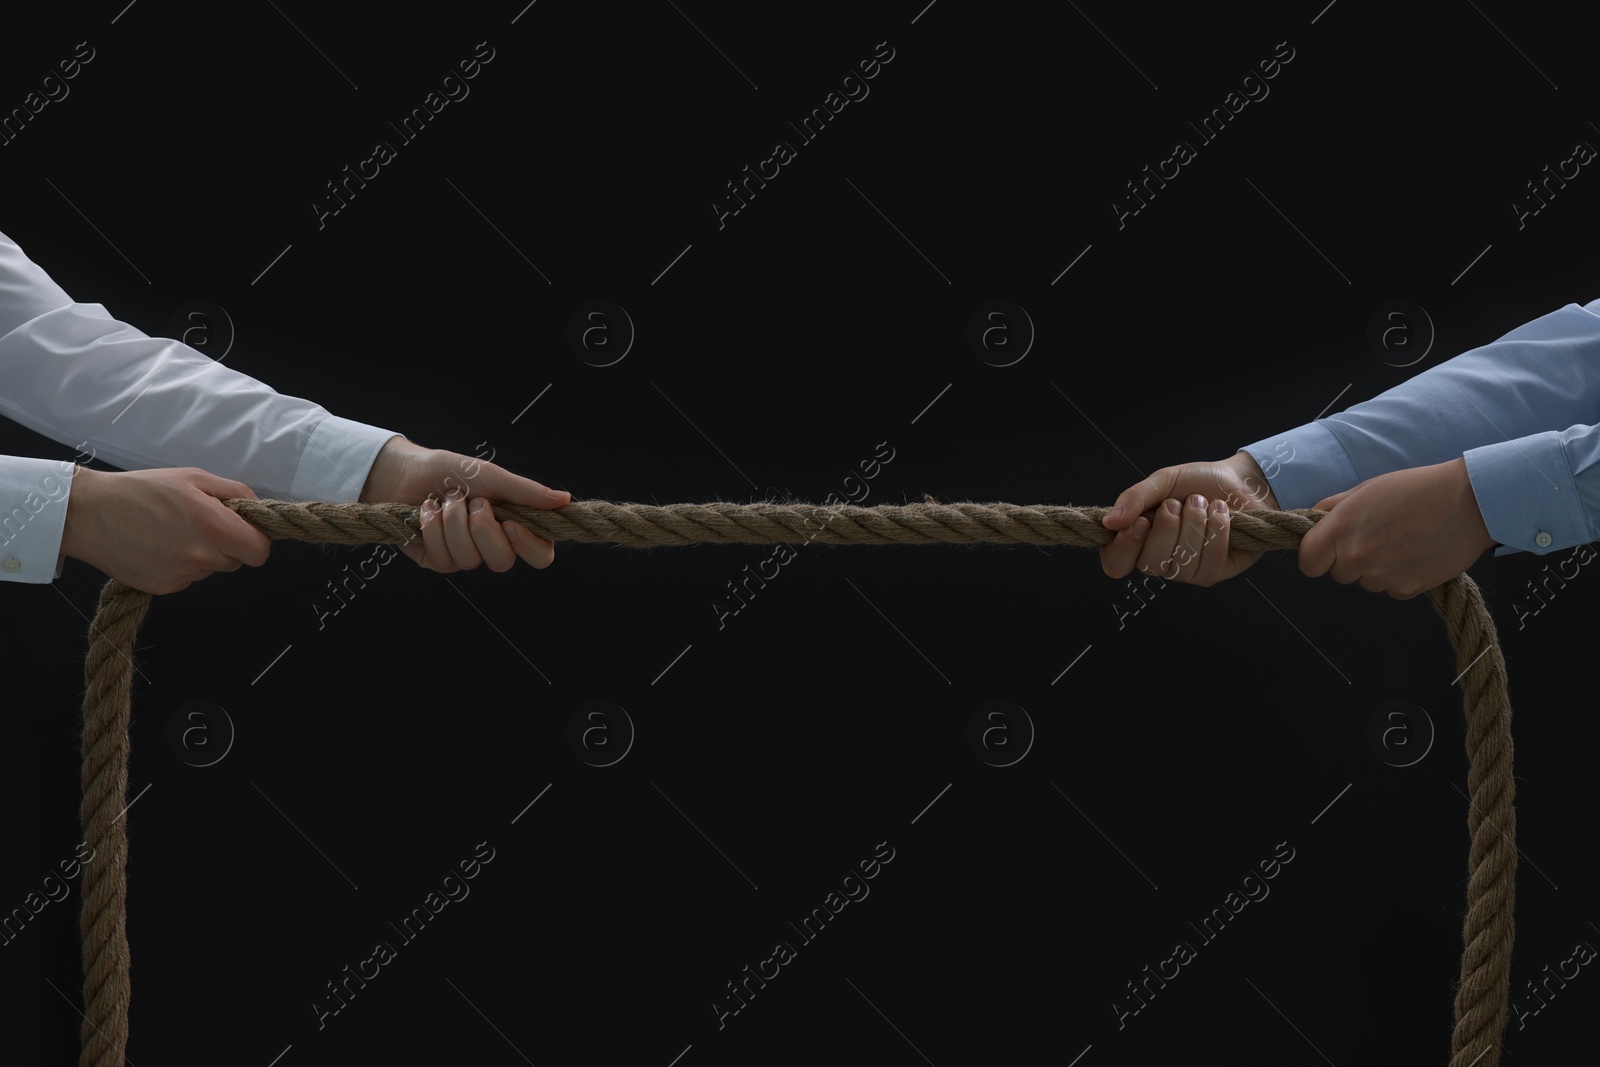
x: 1483, y: 992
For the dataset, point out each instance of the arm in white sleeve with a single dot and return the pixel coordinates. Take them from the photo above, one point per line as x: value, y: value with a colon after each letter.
x: 73, y: 373
x: 33, y: 515
x: 1519, y: 410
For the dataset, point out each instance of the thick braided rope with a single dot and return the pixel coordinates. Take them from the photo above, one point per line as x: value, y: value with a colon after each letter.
x: 1483, y: 992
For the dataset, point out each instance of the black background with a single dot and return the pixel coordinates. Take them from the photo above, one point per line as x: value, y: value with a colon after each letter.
x: 772, y: 356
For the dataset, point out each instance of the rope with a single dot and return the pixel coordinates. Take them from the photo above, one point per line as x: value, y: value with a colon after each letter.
x: 1481, y: 995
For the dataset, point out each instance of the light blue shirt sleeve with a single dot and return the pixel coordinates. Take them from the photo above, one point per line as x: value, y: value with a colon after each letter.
x: 1522, y: 411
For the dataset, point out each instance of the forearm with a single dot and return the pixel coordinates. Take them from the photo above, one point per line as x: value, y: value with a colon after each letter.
x: 80, y: 377
x: 1542, y: 376
x: 74, y: 373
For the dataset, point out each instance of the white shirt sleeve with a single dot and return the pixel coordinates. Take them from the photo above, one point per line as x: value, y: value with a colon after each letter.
x: 76, y: 375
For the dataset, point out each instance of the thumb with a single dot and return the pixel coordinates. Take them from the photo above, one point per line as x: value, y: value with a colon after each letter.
x: 501, y: 485
x: 239, y: 540
x: 1318, y: 545
x: 219, y: 487
x: 1138, y: 499
x: 1327, y: 503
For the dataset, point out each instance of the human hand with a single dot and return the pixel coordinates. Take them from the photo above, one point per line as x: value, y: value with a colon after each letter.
x: 1185, y: 540
x: 1401, y: 533
x: 159, y: 530
x: 460, y: 533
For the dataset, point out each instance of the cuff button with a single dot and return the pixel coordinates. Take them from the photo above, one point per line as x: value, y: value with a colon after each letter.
x: 11, y: 565
x: 1542, y: 540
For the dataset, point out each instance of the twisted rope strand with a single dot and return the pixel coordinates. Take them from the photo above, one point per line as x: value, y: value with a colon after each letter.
x: 721, y: 523
x: 108, y: 677
x: 1481, y: 996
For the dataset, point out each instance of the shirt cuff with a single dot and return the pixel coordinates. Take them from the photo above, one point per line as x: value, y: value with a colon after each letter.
x: 1303, y: 466
x: 1529, y: 497
x: 33, y: 517
x: 337, y: 460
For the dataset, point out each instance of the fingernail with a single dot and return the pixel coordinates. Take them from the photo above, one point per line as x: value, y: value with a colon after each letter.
x: 476, y: 505
x: 1220, y: 508
x: 429, y: 506
x: 1140, y: 528
x: 1197, y: 501
x: 1114, y: 513
x: 511, y: 532
x: 1174, y: 508
x: 454, y: 494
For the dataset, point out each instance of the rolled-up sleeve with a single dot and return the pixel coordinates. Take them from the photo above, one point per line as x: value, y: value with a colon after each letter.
x: 1520, y: 411
x: 75, y: 374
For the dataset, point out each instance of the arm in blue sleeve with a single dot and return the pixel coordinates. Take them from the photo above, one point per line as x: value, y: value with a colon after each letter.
x: 1502, y: 406
x: 1540, y: 493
